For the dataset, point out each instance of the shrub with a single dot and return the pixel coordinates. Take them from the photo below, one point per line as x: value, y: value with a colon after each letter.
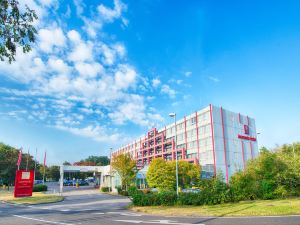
x: 105, y: 189
x: 119, y: 189
x: 166, y: 198
x: 141, y: 199
x: 40, y: 188
x: 124, y: 193
x: 132, y: 190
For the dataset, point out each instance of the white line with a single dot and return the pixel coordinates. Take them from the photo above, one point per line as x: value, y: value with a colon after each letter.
x: 40, y: 220
x: 155, y: 221
x: 98, y: 213
x: 233, y: 217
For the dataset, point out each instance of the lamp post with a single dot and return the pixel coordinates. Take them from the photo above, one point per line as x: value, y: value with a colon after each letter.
x: 175, y: 144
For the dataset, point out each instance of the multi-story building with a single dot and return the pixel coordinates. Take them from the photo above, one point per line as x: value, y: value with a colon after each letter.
x: 218, y: 139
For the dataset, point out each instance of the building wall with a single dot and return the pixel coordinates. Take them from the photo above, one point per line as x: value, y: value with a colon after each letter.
x: 213, y: 137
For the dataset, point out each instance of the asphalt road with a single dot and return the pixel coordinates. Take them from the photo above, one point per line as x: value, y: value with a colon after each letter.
x: 94, y: 208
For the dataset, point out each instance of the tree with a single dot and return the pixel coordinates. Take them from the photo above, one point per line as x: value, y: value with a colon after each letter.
x: 67, y: 163
x: 125, y: 166
x: 161, y: 175
x: 8, y: 159
x: 273, y: 174
x: 97, y: 160
x: 16, y: 29
x: 188, y: 173
x: 53, y: 173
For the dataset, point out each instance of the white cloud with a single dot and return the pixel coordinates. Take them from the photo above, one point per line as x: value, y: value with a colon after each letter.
x: 132, y: 110
x: 74, y: 36
x: 58, y: 66
x: 89, y: 69
x: 48, y: 2
x: 82, y: 52
x: 49, y: 38
x: 167, y: 90
x: 125, y: 77
x: 214, y: 79
x: 58, y: 84
x: 188, y: 74
x: 97, y: 133
x: 79, y: 5
x: 110, y: 15
x: 67, y: 70
x: 156, y: 82
x: 26, y: 68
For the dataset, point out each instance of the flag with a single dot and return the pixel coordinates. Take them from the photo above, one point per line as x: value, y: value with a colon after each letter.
x: 45, y: 158
x: 19, y: 158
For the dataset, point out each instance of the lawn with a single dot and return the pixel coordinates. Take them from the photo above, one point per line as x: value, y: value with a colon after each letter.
x: 37, y: 198
x: 246, y: 208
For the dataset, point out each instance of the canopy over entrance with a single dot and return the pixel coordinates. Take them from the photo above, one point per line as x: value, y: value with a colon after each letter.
x: 106, y: 179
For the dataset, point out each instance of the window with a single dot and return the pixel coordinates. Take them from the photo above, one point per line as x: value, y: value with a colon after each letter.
x: 193, y: 121
x: 179, y: 137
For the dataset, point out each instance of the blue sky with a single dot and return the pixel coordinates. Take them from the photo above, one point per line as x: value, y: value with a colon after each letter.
x: 103, y: 72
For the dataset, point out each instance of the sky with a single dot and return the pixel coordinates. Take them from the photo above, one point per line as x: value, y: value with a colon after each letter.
x: 101, y: 73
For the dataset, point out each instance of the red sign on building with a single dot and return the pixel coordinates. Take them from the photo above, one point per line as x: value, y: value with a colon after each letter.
x: 24, y: 183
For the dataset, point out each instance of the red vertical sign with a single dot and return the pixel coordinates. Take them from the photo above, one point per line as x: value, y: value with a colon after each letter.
x: 24, y: 183
x: 19, y: 158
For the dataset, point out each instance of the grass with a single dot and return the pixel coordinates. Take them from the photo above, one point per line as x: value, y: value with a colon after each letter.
x: 37, y: 198
x: 245, y: 208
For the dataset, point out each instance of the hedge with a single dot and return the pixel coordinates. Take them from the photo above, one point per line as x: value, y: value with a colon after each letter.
x: 105, y: 189
x: 40, y: 188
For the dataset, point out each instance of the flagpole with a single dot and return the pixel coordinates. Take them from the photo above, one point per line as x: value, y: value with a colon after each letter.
x: 19, y: 158
x: 27, y: 159
x: 35, y: 162
x: 44, y: 168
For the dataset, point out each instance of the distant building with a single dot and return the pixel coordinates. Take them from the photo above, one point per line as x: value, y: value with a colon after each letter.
x: 217, y: 139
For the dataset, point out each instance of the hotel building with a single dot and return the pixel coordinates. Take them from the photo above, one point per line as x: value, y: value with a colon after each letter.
x: 218, y: 139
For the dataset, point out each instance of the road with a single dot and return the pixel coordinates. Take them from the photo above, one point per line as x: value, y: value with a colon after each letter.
x: 92, y: 208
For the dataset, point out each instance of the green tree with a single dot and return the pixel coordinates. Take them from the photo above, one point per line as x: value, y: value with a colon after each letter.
x: 98, y: 160
x: 53, y: 172
x: 16, y: 29
x: 161, y: 175
x: 8, y: 160
x: 188, y: 173
x: 125, y: 166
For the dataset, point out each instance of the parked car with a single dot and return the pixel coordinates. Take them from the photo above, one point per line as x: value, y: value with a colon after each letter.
x: 68, y: 183
x: 38, y: 182
x: 83, y: 183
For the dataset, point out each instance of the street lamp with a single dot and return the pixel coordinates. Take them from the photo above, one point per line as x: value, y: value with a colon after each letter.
x: 175, y: 144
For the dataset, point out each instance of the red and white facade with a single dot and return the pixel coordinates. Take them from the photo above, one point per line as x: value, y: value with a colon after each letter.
x: 217, y: 139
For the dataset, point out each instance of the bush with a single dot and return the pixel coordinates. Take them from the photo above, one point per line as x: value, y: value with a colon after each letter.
x: 166, y: 198
x: 119, y: 189
x: 105, y: 189
x: 124, y: 193
x: 141, y: 199
x: 132, y: 190
x: 162, y: 198
x: 40, y: 188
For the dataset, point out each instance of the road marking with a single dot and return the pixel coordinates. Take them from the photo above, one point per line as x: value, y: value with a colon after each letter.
x: 156, y: 221
x: 41, y: 220
x: 125, y: 214
x: 98, y: 213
